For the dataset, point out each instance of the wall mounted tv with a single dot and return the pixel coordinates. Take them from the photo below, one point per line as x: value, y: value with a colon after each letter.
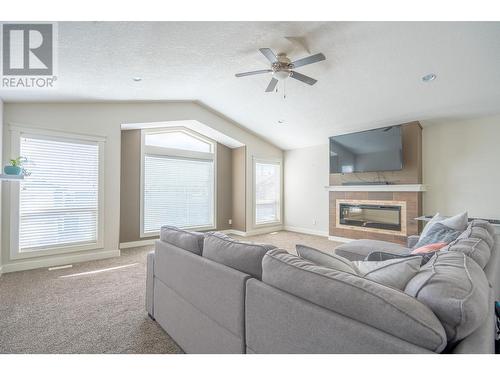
x: 374, y: 150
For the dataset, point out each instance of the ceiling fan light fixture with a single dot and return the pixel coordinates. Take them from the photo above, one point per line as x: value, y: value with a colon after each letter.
x: 281, y: 74
x: 282, y: 68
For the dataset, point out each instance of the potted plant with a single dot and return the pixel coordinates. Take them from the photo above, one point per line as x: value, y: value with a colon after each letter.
x: 16, y: 167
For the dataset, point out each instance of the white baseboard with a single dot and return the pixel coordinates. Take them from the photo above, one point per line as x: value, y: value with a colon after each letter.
x: 58, y: 261
x: 1, y: 270
x: 339, y: 239
x: 306, y: 231
x: 253, y: 232
x: 126, y: 245
x: 235, y: 232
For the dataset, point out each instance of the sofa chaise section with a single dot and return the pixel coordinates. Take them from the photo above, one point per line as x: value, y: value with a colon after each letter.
x: 199, y: 303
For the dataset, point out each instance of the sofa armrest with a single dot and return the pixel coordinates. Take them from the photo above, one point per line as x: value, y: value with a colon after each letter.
x: 412, y: 241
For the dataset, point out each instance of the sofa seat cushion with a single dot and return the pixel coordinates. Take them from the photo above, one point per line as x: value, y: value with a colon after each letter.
x: 357, y: 298
x: 360, y: 249
x: 455, y: 288
x: 190, y: 241
x: 243, y: 256
x: 393, y: 272
x: 476, y: 242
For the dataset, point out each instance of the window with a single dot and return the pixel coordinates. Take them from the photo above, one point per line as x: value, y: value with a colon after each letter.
x: 57, y: 207
x: 178, y: 181
x: 267, y: 179
x: 178, y: 140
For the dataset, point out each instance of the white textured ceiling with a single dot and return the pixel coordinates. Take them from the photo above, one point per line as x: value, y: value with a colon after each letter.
x: 371, y: 76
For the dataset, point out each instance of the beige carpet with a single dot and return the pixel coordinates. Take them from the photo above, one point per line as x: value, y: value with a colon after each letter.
x: 94, y: 307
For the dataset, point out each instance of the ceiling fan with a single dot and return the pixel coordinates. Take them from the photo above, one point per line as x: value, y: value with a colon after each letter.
x: 282, y: 68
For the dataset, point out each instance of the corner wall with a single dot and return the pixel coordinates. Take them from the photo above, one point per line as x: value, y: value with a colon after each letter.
x: 461, y: 167
x: 306, y: 199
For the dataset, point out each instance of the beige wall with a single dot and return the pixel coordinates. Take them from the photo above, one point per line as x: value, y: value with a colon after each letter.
x: 461, y: 167
x: 105, y: 119
x: 239, y: 188
x: 130, y: 186
x: 224, y: 187
x: 306, y: 199
x: 131, y: 194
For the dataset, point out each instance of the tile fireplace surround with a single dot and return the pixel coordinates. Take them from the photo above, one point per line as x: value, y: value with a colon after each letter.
x: 370, y: 225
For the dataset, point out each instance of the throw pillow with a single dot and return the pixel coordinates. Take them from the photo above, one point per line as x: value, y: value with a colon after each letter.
x: 430, y: 248
x: 326, y: 260
x: 435, y: 219
x: 394, y: 272
x: 380, y: 255
x: 438, y: 233
x: 458, y: 222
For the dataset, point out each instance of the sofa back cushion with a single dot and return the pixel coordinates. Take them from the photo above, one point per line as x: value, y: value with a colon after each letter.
x: 393, y: 272
x: 190, y: 241
x: 476, y: 241
x: 455, y: 288
x: 379, y: 306
x: 243, y: 256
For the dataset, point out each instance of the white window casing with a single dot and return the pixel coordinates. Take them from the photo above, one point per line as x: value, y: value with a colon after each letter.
x: 59, y: 208
x: 267, y: 192
x: 178, y: 185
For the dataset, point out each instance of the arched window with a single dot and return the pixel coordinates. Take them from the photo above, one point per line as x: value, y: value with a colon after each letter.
x: 177, y: 180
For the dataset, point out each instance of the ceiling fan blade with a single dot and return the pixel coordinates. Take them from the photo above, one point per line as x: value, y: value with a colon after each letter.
x: 309, y: 60
x: 253, y: 72
x: 303, y: 78
x: 272, y: 85
x: 270, y: 55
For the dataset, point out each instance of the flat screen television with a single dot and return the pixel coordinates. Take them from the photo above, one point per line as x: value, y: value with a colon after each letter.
x: 374, y: 150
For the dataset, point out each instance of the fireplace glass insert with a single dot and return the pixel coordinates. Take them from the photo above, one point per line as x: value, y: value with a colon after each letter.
x: 371, y: 216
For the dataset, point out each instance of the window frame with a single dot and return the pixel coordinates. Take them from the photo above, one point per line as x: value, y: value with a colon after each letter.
x: 180, y: 154
x: 279, y: 163
x: 17, y: 132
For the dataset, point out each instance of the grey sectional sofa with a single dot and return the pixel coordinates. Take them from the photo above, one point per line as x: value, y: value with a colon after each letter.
x: 212, y: 294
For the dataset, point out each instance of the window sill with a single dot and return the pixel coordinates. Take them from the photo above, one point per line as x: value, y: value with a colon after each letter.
x: 193, y: 229
x: 267, y: 224
x: 15, y: 255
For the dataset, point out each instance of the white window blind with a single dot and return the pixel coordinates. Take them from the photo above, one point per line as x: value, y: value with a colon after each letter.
x: 177, y: 191
x: 58, y: 203
x: 267, y: 192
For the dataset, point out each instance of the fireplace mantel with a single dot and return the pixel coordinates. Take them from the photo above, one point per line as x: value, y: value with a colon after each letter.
x: 391, y: 187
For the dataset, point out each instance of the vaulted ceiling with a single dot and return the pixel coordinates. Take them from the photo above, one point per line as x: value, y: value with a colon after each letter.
x: 372, y: 75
